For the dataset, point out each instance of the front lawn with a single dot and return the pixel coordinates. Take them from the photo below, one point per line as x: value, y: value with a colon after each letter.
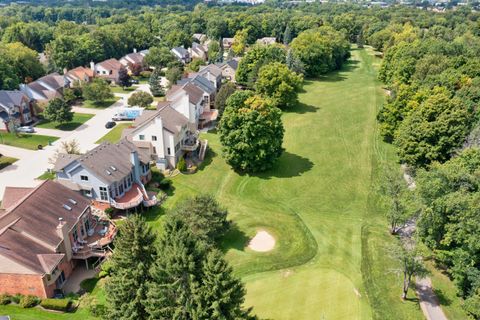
x: 77, y: 121
x: 115, y: 134
x: 99, y: 105
x: 6, y: 161
x: 47, y: 175
x: 118, y: 89
x: 26, y: 141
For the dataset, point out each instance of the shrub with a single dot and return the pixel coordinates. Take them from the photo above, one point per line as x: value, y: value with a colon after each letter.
x: 182, y: 165
x: 5, y: 299
x: 29, y: 301
x: 109, y: 212
x: 16, y: 298
x: 106, y: 269
x: 145, y: 74
x: 165, y: 184
x: 97, y: 310
x: 56, y: 304
x: 157, y: 176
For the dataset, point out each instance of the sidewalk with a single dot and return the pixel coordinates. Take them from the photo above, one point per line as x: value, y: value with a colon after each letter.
x: 52, y: 132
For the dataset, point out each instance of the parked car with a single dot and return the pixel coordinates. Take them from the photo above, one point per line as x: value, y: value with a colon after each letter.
x: 110, y: 124
x: 26, y: 129
x: 134, y: 81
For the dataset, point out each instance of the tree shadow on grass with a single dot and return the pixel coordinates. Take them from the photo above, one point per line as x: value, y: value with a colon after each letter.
x: 337, y: 75
x: 287, y: 166
x: 302, y: 108
x: 234, y: 239
x: 209, y: 155
x: 442, y: 298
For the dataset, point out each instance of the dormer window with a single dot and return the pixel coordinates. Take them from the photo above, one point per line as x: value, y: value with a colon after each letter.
x: 84, y: 178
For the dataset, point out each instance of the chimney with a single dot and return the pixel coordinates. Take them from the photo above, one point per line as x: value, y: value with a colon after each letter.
x: 65, y: 70
x: 92, y: 66
x: 62, y: 231
x: 136, y: 165
x: 134, y: 50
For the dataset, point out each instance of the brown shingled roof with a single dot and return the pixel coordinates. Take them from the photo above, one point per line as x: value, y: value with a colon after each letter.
x: 14, y: 194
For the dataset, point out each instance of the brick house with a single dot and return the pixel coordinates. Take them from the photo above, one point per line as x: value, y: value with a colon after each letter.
x: 16, y: 109
x: 44, y: 233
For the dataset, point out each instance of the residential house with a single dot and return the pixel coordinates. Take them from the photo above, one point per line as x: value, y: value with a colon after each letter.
x: 227, y: 43
x: 229, y: 68
x: 108, y: 70
x: 134, y: 59
x: 45, y: 232
x: 200, y: 37
x: 111, y: 175
x: 182, y: 54
x: 267, y: 41
x: 15, y: 110
x: 198, y: 51
x: 187, y: 99
x: 165, y: 131
x: 212, y: 73
x: 207, y: 87
x: 46, y: 88
x: 79, y: 75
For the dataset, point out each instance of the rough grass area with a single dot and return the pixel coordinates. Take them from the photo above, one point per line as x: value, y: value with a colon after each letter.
x: 26, y: 141
x: 6, y: 161
x: 115, y: 134
x: 99, y: 105
x: 77, y: 121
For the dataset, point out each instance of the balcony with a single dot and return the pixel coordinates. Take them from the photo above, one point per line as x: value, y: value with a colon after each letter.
x: 190, y: 143
x: 93, y: 245
x: 131, y: 199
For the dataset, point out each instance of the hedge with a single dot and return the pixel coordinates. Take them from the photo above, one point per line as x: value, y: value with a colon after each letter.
x: 28, y: 301
x: 5, y: 299
x: 56, y: 304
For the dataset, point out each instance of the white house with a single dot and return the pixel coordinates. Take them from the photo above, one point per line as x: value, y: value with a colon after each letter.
x: 267, y: 41
x: 166, y: 133
x: 188, y: 100
x: 198, y: 51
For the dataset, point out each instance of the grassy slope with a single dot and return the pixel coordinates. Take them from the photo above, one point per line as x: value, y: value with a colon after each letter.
x: 77, y: 121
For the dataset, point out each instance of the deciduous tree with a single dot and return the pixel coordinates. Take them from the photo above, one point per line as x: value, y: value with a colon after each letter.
x: 141, y: 98
x: 58, y: 111
x: 226, y: 90
x: 98, y: 90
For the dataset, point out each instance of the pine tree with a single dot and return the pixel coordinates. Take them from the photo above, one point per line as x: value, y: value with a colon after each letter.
x: 174, y: 274
x: 155, y: 84
x: 294, y: 63
x: 287, y: 36
x: 220, y: 295
x: 134, y: 253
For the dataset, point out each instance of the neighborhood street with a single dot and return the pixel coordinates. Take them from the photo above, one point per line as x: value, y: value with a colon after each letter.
x: 31, y: 164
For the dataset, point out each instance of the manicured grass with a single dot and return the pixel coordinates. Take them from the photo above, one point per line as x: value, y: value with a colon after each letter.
x: 99, y: 105
x: 118, y: 89
x: 115, y: 134
x: 26, y: 141
x: 6, y: 161
x: 77, y: 121
x: 47, y: 176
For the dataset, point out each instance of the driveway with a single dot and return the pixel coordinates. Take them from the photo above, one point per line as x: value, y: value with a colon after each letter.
x: 32, y: 164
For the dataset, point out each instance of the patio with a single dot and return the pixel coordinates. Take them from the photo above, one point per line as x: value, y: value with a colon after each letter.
x: 101, y: 235
x: 80, y: 273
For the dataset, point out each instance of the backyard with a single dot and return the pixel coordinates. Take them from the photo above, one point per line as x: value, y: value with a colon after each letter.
x: 26, y: 141
x: 77, y: 121
x: 319, y: 202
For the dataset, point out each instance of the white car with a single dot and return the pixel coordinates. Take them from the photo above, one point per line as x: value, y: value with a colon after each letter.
x: 26, y: 129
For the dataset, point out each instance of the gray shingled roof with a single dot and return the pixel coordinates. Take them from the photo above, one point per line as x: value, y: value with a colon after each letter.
x: 172, y: 120
x: 212, y: 68
x: 99, y: 161
x: 9, y: 99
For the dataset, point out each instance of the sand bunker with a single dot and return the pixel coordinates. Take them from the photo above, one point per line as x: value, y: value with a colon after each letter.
x: 262, y: 242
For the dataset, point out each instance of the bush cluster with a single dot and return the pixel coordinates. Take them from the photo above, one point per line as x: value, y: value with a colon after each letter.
x: 28, y: 301
x: 56, y: 304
